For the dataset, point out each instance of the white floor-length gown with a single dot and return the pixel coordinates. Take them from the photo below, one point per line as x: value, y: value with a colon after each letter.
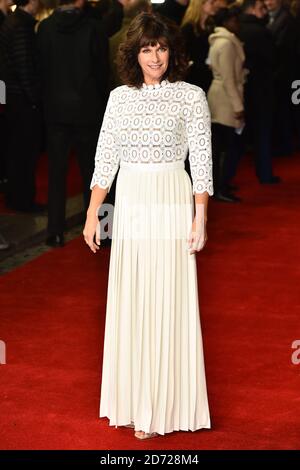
x: 153, y: 365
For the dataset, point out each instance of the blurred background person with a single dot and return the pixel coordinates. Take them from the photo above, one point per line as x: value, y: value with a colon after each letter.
x: 172, y: 9
x: 225, y: 95
x: 109, y: 12
x: 19, y: 70
x: 197, y: 25
x: 4, y: 11
x: 295, y: 9
x: 75, y: 69
x: 259, y: 94
x: 283, y: 28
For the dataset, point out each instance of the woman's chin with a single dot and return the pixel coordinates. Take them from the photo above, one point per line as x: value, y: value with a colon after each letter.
x: 155, y: 76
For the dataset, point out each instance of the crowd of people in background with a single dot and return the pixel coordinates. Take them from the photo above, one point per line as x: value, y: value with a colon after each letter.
x: 58, y: 63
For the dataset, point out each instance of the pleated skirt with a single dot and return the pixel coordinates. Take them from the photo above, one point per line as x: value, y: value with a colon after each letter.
x: 153, y: 372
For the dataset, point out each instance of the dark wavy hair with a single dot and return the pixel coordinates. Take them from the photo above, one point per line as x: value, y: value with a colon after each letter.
x: 148, y: 29
x: 226, y: 13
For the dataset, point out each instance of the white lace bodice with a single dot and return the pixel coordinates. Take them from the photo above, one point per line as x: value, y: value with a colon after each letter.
x: 157, y: 123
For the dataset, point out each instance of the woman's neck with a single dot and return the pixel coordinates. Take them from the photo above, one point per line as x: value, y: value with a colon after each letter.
x: 149, y: 81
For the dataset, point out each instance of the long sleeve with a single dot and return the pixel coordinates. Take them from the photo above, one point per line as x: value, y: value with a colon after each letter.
x: 107, y: 156
x: 198, y: 128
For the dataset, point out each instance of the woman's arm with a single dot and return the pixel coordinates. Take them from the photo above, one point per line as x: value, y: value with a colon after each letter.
x: 201, y: 204
x: 198, y: 233
x: 200, y: 157
x: 106, y: 166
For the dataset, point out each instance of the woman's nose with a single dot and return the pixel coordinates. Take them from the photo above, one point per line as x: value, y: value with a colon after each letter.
x: 155, y: 57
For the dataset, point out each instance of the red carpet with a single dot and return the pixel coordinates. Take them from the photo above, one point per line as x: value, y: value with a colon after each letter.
x: 52, y: 320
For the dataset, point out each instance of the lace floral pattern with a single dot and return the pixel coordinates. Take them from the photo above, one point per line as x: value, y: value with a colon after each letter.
x: 154, y: 124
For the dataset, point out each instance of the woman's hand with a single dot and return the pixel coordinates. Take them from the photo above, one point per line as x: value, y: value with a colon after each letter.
x: 92, y: 227
x: 198, y: 235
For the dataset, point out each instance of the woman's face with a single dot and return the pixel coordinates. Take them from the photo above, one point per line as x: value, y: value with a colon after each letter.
x: 154, y: 61
x: 210, y: 7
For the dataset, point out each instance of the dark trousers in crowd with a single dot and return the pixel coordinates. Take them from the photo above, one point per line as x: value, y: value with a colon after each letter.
x: 60, y: 139
x: 261, y: 139
x: 296, y: 123
x: 256, y: 136
x: 237, y: 150
x: 283, y: 119
x: 222, y: 144
x: 22, y: 151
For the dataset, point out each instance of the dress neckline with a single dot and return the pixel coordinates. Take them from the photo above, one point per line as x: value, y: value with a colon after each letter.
x: 162, y: 84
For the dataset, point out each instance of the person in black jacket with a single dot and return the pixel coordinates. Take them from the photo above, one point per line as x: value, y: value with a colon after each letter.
x: 296, y: 107
x: 4, y: 10
x: 74, y: 66
x: 19, y: 70
x: 172, y: 9
x: 283, y: 28
x: 260, y: 57
x: 110, y: 12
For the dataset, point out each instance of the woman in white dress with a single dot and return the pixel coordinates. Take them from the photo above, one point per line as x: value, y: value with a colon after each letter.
x: 153, y: 375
